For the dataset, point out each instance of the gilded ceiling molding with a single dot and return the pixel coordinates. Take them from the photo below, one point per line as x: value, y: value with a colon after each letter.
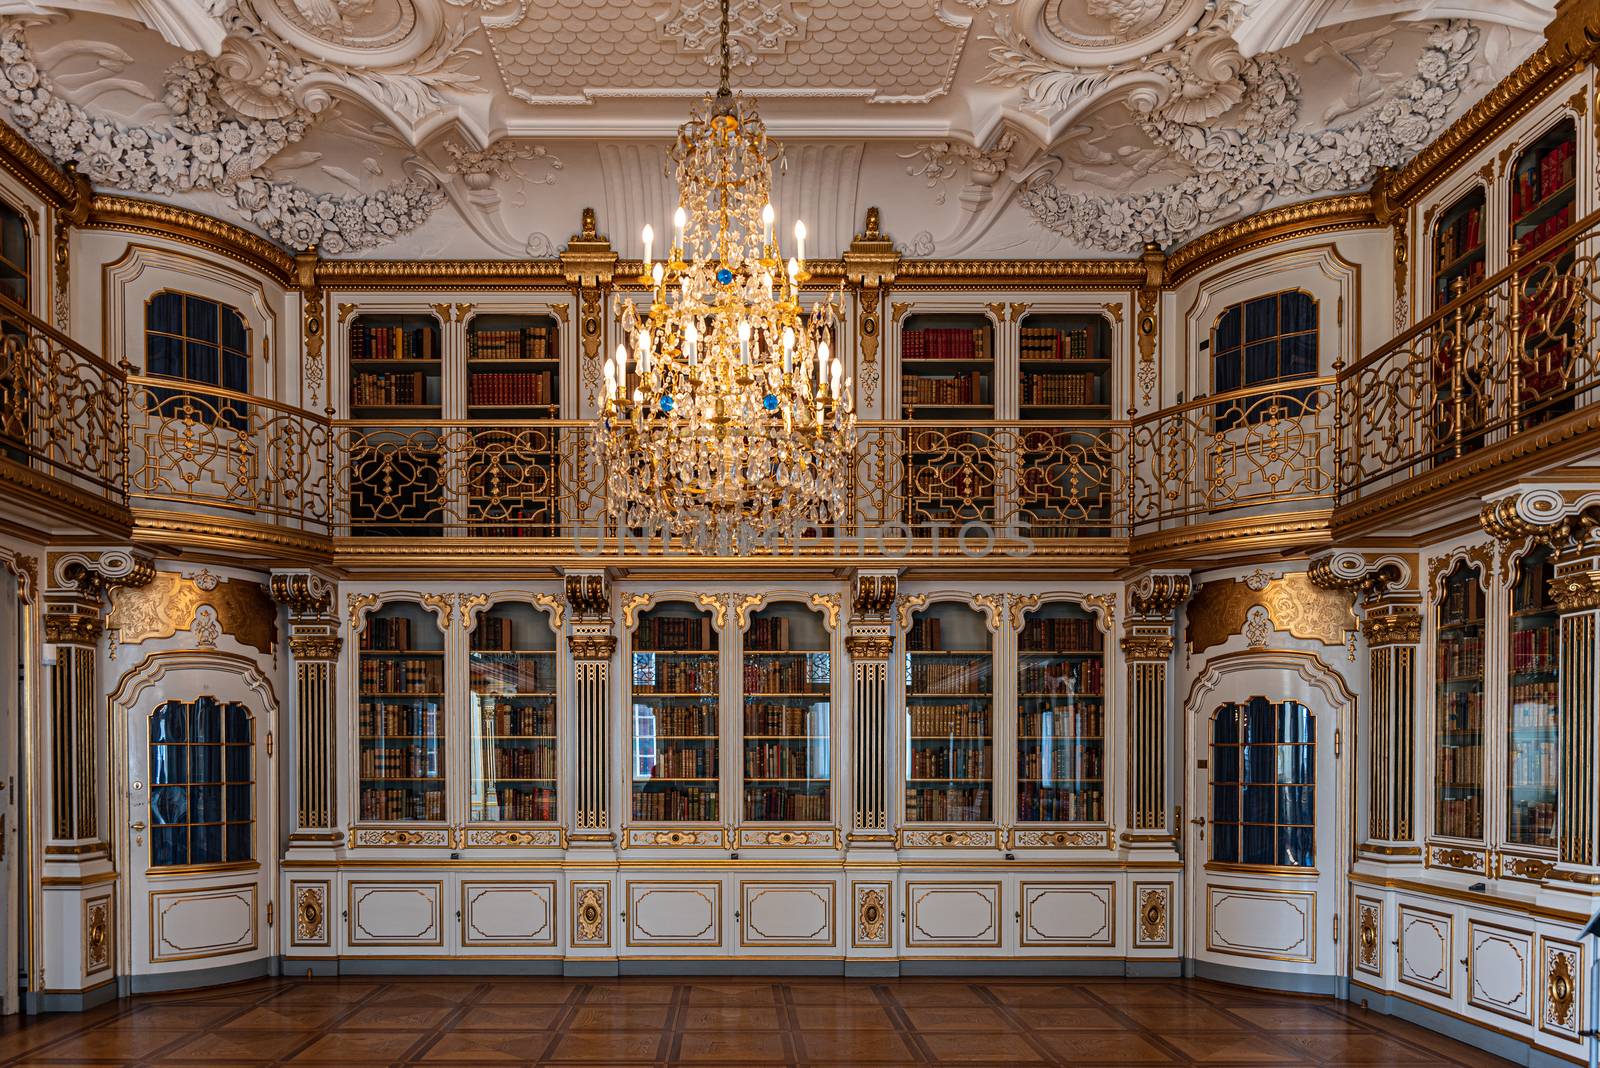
x: 130, y: 215
x: 440, y: 274
x: 171, y: 602
x: 33, y: 168
x: 1354, y: 211
x: 1294, y: 604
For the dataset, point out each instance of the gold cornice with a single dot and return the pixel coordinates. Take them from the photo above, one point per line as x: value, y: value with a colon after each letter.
x: 62, y: 502
x: 1351, y: 212
x: 441, y: 274
x: 271, y: 543
x: 33, y: 169
x: 1075, y: 274
x: 1507, y: 102
x: 108, y: 212
x: 1306, y: 529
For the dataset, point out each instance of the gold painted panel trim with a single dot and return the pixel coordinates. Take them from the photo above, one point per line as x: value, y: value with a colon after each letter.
x: 384, y: 885
x: 750, y: 891
x: 918, y: 892
x: 1026, y: 905
x: 172, y: 898
x: 1307, y: 896
x: 468, y: 901
x: 1474, y: 925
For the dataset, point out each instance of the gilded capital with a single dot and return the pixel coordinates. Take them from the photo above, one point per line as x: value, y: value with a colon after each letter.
x: 1398, y: 628
x: 315, y: 646
x: 592, y: 646
x: 1147, y: 647
x: 1576, y: 591
x: 72, y: 628
x: 869, y: 647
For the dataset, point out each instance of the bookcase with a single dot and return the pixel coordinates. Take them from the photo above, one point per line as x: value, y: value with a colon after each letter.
x: 1532, y: 753
x: 1458, y: 247
x: 396, y: 378
x: 1061, y: 716
x: 949, y: 716
x: 676, y: 724
x: 788, y: 703
x: 400, y: 751
x: 1064, y: 364
x: 947, y: 367
x: 1543, y: 203
x: 396, y: 367
x: 512, y: 687
x: 513, y: 368
x: 513, y: 376
x: 1458, y: 706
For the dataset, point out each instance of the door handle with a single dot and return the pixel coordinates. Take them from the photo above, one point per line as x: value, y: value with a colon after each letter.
x: 136, y: 826
x: 1198, y: 821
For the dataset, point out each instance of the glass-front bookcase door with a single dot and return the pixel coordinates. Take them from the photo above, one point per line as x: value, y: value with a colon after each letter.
x: 1061, y: 717
x: 1458, y: 707
x: 676, y: 725
x: 1531, y: 736
x: 949, y: 716
x: 400, y: 751
x: 512, y: 686
x: 788, y: 710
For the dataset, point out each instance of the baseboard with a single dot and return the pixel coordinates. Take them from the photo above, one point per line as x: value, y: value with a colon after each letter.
x: 1512, y: 1049
x: 198, y: 978
x: 1332, y: 986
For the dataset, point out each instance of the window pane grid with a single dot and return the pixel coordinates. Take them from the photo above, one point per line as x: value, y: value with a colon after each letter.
x: 1258, y: 342
x: 202, y: 784
x: 202, y: 341
x: 1263, y: 794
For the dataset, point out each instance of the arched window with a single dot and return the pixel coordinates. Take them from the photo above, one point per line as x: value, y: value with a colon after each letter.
x: 1263, y: 784
x: 198, y: 340
x: 1259, y: 342
x: 201, y: 783
x: 16, y: 276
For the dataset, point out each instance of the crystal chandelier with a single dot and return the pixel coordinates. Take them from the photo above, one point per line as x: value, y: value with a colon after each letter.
x: 725, y: 417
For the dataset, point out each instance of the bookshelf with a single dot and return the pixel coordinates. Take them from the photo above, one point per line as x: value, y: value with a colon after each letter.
x: 1458, y: 247
x: 400, y: 756
x: 947, y: 367
x: 1065, y: 367
x: 1532, y: 752
x: 676, y: 725
x: 1458, y: 707
x: 396, y: 364
x: 1061, y: 712
x: 1543, y: 203
x: 949, y: 716
x: 396, y: 367
x: 513, y: 368
x: 512, y: 686
x: 788, y: 690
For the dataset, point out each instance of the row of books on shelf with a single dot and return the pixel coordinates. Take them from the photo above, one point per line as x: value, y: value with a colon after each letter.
x: 387, y: 633
x: 536, y: 804
x: 1532, y: 822
x: 1048, y: 804
x: 1461, y: 656
x: 945, y: 343
x: 675, y: 633
x: 390, y: 389
x: 963, y: 762
x: 1540, y: 178
x: 1463, y: 235
x: 789, y: 675
x: 420, y: 675
x: 494, y: 634
x: 1085, y: 678
x: 950, y: 676
x: 1532, y: 589
x: 1053, y: 343
x: 513, y: 673
x: 405, y: 721
x: 368, y: 342
x: 530, y: 387
x: 793, y: 721
x: 684, y: 762
x: 1533, y: 763
x: 699, y: 720
x: 924, y: 635
x: 776, y: 804
x: 1460, y: 765
x: 526, y: 343
x: 1534, y: 650
x: 677, y: 676
x: 970, y: 388
x: 677, y: 803
x: 949, y: 721
x: 524, y: 762
x: 775, y: 760
x: 1463, y: 603
x: 382, y: 804
x: 400, y: 762
x: 1065, y: 390
x: 769, y: 634
x: 959, y: 804
x: 1073, y: 721
x: 1547, y: 229
x: 1061, y: 765
x: 1060, y: 635
x: 506, y: 720
x: 1534, y: 704
x: 1458, y: 817
x: 1461, y: 711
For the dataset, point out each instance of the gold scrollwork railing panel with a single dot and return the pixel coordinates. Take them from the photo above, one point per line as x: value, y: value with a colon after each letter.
x: 1509, y: 354
x: 1246, y: 449
x: 215, y: 448
x: 60, y: 406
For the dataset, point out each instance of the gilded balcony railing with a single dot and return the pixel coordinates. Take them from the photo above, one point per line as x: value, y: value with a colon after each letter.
x: 211, y: 448
x: 1511, y: 353
x: 1256, y: 449
x: 60, y: 406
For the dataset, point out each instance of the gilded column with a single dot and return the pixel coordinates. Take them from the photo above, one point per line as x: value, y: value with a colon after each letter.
x: 593, y: 645
x: 1147, y: 644
x: 870, y: 265
x: 314, y: 646
x: 870, y: 644
x: 1576, y: 589
x: 588, y: 263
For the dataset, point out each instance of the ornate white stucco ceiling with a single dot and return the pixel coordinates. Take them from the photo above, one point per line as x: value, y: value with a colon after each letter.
x: 481, y: 128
